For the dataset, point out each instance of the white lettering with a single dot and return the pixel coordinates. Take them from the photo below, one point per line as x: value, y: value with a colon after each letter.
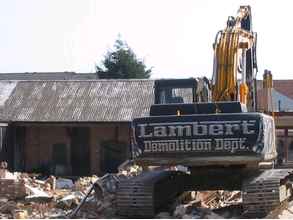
x: 199, y: 130
x: 143, y: 131
x: 216, y: 129
x: 245, y: 128
x: 147, y: 146
x: 160, y: 131
x: 229, y: 128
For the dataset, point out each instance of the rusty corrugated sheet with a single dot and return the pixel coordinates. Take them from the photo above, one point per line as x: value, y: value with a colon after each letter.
x: 79, y: 101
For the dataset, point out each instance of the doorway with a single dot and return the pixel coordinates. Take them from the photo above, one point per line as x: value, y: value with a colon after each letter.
x: 113, y: 154
x: 80, y: 151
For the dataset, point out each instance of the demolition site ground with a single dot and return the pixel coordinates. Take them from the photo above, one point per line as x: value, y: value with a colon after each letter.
x: 24, y: 195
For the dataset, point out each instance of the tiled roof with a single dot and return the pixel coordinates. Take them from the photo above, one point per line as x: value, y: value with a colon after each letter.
x: 77, y: 101
x: 284, y: 86
x: 280, y: 101
x: 282, y: 95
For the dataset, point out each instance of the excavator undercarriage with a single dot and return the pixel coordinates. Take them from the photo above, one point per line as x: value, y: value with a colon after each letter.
x: 153, y: 191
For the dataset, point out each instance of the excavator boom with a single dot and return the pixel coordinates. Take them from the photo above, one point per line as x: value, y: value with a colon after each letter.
x: 234, y: 54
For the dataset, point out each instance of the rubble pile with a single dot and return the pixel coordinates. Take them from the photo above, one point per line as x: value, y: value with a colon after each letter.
x: 219, y: 198
x: 25, y: 195
x: 10, y: 186
x: 284, y: 214
x: 207, y: 205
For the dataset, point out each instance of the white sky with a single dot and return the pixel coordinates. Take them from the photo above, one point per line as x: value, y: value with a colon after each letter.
x: 175, y: 37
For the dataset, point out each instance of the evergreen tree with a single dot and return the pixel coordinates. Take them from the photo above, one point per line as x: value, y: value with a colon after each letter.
x: 122, y: 63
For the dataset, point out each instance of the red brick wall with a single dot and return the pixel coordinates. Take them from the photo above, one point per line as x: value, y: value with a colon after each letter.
x: 38, y: 144
x: 40, y: 139
x: 105, y: 132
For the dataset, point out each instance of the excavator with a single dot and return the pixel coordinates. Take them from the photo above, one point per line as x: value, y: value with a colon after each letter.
x: 212, y: 128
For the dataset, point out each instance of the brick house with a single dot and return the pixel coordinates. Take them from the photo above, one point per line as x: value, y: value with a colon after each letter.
x: 70, y: 127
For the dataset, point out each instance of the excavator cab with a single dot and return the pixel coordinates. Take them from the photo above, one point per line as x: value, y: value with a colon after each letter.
x: 174, y: 91
x: 189, y: 96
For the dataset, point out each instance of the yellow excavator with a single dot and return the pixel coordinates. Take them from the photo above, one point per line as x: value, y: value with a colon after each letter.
x: 213, y: 129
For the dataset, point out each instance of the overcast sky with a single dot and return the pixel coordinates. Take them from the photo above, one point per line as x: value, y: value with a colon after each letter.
x: 174, y: 37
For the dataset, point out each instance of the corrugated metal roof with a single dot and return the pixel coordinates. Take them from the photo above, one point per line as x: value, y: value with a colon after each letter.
x: 85, y: 101
x: 6, y: 89
x: 79, y: 101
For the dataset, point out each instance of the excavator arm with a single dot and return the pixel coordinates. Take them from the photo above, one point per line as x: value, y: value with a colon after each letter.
x: 235, y: 61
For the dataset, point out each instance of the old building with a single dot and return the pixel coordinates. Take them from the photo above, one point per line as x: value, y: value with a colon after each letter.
x: 281, y: 107
x: 70, y: 127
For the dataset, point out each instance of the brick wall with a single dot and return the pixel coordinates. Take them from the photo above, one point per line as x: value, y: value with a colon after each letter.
x: 12, y: 189
x: 105, y: 132
x: 40, y: 139
x: 38, y: 144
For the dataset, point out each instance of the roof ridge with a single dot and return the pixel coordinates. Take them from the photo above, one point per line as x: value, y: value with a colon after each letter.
x: 78, y: 80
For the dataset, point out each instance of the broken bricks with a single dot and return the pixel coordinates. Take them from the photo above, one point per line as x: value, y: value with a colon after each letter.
x: 12, y: 189
x: 54, y: 198
x: 70, y: 201
x: 20, y: 214
x: 62, y: 183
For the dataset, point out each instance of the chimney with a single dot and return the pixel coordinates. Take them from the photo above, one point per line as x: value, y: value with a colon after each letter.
x: 267, y: 88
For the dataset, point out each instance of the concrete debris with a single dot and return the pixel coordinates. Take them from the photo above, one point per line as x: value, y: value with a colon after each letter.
x: 20, y: 214
x: 196, y: 213
x: 4, y: 173
x: 210, y: 205
x: 70, y: 201
x: 219, y: 198
x: 62, y: 183
x: 83, y: 183
x: 129, y: 169
x: 37, y: 195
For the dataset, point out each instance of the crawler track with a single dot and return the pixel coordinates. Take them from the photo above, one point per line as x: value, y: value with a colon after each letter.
x: 263, y: 194
x: 144, y: 195
x: 266, y: 191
